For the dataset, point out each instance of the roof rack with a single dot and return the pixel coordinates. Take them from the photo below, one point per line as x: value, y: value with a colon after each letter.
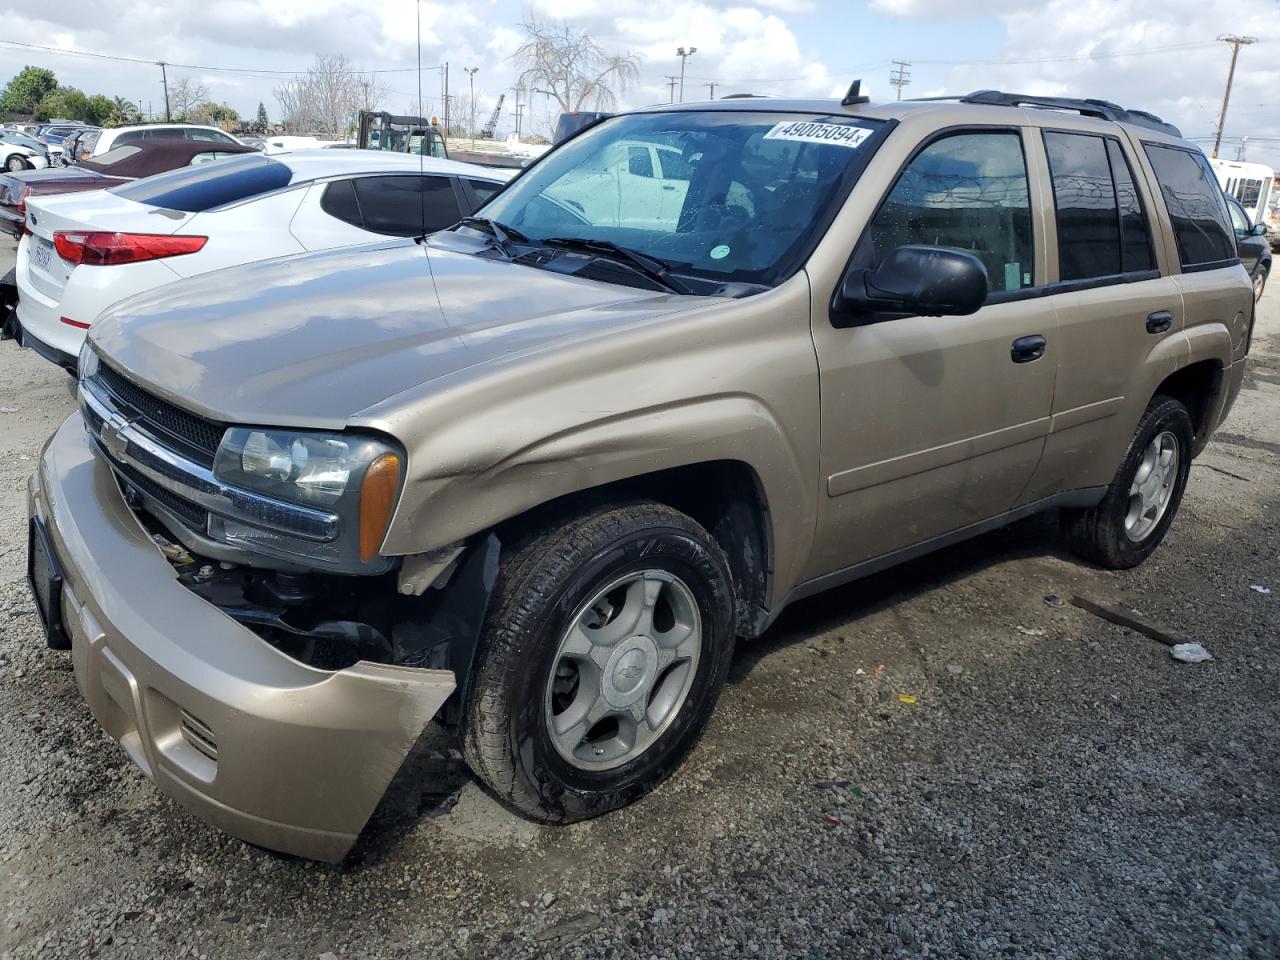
x: 1101, y: 109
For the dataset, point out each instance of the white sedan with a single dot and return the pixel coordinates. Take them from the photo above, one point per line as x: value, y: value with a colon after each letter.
x: 85, y: 251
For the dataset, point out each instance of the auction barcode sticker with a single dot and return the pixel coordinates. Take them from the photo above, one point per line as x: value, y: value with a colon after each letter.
x: 810, y: 131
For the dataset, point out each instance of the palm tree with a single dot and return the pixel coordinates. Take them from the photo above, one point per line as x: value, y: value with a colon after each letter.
x: 124, y: 110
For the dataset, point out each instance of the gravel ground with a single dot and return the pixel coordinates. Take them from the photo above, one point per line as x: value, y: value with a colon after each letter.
x: 931, y: 763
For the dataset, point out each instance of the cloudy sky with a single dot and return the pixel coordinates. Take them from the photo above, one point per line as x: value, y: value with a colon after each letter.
x: 1159, y: 55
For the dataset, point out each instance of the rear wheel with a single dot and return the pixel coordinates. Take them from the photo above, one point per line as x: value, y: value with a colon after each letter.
x: 607, y: 641
x: 1141, y: 501
x: 15, y: 163
x: 1259, y: 283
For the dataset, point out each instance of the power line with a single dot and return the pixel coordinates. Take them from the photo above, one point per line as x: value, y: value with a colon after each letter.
x: 250, y: 71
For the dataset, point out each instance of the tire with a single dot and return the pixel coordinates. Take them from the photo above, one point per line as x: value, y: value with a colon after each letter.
x: 1108, y: 534
x: 519, y: 679
x: 1260, y: 282
x: 15, y: 163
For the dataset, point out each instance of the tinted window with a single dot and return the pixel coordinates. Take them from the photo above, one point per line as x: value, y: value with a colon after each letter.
x: 1135, y: 230
x: 674, y: 166
x: 967, y: 192
x: 339, y: 201
x: 406, y: 206
x: 1196, y: 206
x: 208, y: 185
x: 151, y: 133
x: 212, y: 135
x: 1085, y: 198
x: 484, y: 190
x: 639, y: 163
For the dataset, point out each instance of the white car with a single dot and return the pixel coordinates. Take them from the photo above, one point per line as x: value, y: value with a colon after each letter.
x: 114, y: 136
x: 19, y: 152
x: 85, y: 251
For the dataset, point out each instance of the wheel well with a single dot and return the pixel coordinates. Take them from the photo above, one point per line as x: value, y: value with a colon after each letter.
x: 1196, y: 385
x: 723, y: 496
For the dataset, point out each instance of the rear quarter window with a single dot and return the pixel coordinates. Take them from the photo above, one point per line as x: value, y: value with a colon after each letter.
x: 209, y: 185
x: 1197, y: 207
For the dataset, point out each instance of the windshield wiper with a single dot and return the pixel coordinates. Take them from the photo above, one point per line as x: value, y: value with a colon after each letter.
x: 651, y: 267
x: 502, y: 235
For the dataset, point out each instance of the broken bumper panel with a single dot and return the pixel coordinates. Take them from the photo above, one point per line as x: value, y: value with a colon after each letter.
x: 270, y: 750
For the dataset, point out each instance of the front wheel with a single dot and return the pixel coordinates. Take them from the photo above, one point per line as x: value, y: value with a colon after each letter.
x: 1142, y: 499
x: 15, y: 164
x: 608, y: 639
x: 1259, y: 283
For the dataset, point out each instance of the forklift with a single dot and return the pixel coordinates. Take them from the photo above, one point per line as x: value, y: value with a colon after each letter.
x: 379, y: 130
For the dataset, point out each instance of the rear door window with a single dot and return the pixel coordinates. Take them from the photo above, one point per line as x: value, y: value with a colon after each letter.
x: 1085, y: 199
x: 1197, y: 208
x: 339, y: 201
x: 408, y: 205
x: 483, y: 190
x: 1135, y: 230
x: 209, y: 185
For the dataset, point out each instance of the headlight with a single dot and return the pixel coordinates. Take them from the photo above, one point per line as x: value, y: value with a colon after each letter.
x: 357, y: 477
x: 88, y: 363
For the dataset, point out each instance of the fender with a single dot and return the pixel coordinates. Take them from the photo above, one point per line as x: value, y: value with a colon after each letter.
x: 732, y: 427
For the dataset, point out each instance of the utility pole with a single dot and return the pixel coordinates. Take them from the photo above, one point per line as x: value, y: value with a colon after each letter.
x: 164, y: 78
x: 684, y: 55
x: 1240, y: 150
x: 471, y: 76
x: 139, y: 107
x: 519, y: 92
x: 446, y: 98
x: 711, y: 87
x: 1236, y: 43
x: 671, y: 84
x: 900, y: 75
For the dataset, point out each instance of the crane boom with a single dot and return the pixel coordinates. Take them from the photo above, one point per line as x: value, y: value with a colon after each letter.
x: 491, y: 127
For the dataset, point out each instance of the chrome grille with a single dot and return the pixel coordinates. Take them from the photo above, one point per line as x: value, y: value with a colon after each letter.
x: 187, y: 432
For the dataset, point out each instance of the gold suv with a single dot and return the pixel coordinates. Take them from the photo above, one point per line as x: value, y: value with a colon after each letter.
x: 533, y: 475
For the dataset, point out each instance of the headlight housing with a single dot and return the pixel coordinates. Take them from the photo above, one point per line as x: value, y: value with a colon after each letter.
x: 87, y: 364
x: 355, y: 476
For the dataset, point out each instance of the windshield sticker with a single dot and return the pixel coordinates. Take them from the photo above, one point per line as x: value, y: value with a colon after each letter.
x: 806, y: 131
x: 720, y: 252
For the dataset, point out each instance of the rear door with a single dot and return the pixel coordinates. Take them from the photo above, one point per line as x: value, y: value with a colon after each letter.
x: 366, y: 209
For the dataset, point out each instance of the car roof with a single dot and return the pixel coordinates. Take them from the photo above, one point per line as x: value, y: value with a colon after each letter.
x: 947, y: 110
x: 321, y: 163
x: 163, y: 126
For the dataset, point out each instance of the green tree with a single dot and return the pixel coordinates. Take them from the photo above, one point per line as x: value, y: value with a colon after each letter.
x: 263, y: 122
x: 213, y: 114
x: 64, y: 103
x: 27, y: 88
x: 123, y: 112
x: 101, y: 110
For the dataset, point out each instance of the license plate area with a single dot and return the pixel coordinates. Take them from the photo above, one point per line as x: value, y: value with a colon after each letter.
x: 44, y: 576
x: 41, y: 253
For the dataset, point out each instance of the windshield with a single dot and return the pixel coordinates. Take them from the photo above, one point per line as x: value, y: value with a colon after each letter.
x: 723, y: 195
x: 23, y: 141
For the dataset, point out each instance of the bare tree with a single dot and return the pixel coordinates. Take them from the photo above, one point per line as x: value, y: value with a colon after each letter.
x: 185, y: 94
x: 572, y: 67
x: 325, y: 99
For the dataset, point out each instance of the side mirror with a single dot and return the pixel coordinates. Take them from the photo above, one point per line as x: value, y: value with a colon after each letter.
x: 1259, y: 230
x: 913, y: 281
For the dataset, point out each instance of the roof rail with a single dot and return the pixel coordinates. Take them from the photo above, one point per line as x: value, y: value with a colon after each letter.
x: 1089, y: 108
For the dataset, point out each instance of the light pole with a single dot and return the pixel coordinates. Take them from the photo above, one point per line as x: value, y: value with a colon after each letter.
x: 684, y: 55
x: 1236, y: 43
x: 471, y: 76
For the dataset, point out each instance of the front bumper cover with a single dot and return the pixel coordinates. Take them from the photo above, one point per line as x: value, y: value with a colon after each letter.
x: 275, y: 752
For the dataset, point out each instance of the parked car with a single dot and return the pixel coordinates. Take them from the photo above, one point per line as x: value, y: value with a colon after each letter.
x: 533, y: 475
x: 1252, y: 245
x: 115, y: 136
x: 85, y: 252
x: 20, y: 152
x: 79, y: 145
x: 121, y: 165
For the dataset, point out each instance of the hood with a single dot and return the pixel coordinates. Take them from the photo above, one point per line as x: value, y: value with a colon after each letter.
x: 315, y: 339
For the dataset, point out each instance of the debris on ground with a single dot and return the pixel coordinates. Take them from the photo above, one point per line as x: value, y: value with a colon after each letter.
x: 1053, y: 600
x: 955, y: 669
x: 1259, y: 588
x: 906, y: 698
x: 831, y: 821
x: 1032, y: 631
x: 570, y: 929
x: 1189, y: 653
x: 1114, y: 613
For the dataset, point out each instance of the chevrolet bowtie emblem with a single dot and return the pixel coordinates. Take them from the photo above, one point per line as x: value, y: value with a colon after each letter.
x: 111, y: 433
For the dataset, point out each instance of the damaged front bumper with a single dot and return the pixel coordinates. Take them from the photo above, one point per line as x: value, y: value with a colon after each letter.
x: 273, y: 751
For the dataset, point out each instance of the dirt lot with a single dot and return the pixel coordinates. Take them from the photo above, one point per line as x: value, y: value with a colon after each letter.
x: 1058, y: 787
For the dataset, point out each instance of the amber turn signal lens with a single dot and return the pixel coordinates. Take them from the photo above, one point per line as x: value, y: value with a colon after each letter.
x: 377, y: 500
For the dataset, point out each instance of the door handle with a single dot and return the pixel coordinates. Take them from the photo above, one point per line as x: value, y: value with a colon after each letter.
x: 1026, y: 349
x: 1159, y: 322
x: 668, y: 186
